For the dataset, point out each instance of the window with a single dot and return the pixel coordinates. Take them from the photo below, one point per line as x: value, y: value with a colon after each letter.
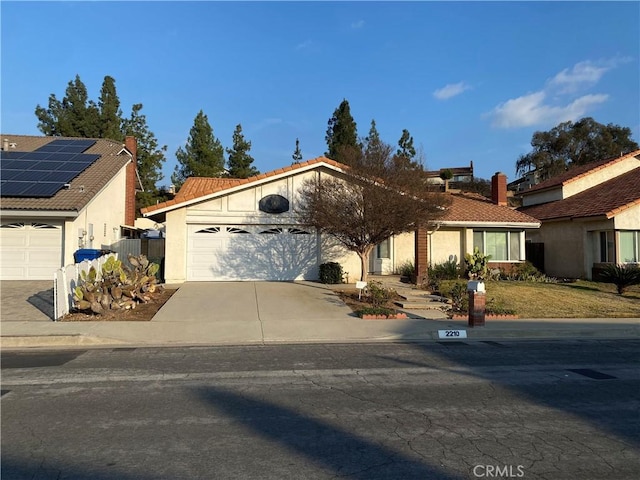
x: 607, y: 247
x: 384, y: 249
x: 503, y: 246
x: 209, y: 230
x: 629, y: 246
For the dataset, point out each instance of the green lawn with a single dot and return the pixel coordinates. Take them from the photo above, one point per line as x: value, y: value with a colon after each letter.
x: 581, y: 299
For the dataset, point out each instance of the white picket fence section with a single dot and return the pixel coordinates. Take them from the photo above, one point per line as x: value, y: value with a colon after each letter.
x: 65, y: 280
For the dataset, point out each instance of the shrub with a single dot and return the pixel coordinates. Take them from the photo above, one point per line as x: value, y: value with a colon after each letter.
x: 331, y: 273
x: 407, y: 269
x: 448, y: 270
x: 375, y: 311
x: 380, y: 295
x: 622, y: 276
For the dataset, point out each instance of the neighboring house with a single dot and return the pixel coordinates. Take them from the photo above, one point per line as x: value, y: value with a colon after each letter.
x: 459, y: 175
x: 59, y: 195
x: 247, y: 229
x: 590, y: 216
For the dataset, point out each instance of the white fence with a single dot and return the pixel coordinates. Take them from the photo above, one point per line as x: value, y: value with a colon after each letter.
x: 65, y: 281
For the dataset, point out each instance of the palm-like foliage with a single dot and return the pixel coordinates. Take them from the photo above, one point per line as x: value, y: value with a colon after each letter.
x: 622, y: 276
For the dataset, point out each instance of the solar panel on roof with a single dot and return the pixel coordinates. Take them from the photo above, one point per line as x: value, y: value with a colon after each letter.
x: 43, y: 172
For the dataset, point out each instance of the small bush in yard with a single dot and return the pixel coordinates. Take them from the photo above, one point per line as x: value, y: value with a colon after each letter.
x: 379, y: 295
x: 408, y: 270
x: 387, y: 312
x: 331, y: 273
x: 622, y: 276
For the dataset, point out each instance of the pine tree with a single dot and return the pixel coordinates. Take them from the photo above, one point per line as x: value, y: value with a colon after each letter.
x: 406, y: 154
x: 202, y: 156
x: 150, y: 156
x: 405, y: 143
x: 74, y: 116
x: 374, y: 149
x: 110, y: 113
x: 297, y: 154
x: 239, y: 159
x: 342, y: 135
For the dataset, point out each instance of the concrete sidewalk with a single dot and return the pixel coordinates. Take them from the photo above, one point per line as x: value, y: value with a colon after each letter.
x: 273, y: 312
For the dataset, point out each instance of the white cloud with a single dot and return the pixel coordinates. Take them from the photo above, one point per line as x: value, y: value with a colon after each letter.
x: 358, y: 24
x: 559, y: 100
x: 582, y: 75
x: 531, y: 110
x: 451, y: 90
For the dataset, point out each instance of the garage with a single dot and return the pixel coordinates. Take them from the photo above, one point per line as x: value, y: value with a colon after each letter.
x: 251, y: 252
x: 30, y: 250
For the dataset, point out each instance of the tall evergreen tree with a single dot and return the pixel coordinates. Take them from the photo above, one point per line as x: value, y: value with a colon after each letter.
x: 239, y: 159
x: 110, y: 113
x: 202, y: 156
x: 405, y: 143
x: 374, y: 150
x: 74, y: 116
x: 297, y: 153
x: 406, y: 153
x: 150, y: 156
x: 342, y: 135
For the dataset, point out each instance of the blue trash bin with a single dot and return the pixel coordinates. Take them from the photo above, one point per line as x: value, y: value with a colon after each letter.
x: 86, y: 254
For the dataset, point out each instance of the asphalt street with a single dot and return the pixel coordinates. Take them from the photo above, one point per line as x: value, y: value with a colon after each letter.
x: 438, y: 410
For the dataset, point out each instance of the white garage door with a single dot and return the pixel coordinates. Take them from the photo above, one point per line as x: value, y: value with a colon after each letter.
x: 30, y: 250
x: 256, y: 252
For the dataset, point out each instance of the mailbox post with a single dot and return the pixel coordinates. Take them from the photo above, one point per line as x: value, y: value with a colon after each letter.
x: 477, y: 303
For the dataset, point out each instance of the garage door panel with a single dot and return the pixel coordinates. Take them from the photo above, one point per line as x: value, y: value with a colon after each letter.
x: 225, y: 255
x: 30, y: 250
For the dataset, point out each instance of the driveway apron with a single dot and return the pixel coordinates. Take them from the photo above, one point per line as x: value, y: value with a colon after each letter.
x: 26, y: 300
x: 252, y: 302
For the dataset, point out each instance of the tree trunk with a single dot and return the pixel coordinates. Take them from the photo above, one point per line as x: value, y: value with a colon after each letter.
x: 364, y: 263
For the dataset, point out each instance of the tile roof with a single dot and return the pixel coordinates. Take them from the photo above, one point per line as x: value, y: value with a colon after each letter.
x: 196, y: 187
x: 465, y: 207
x: 470, y: 208
x: 606, y: 199
x: 577, y: 172
x: 83, y: 188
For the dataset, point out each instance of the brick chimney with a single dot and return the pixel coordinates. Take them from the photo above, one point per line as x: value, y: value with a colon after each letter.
x: 131, y: 182
x: 499, y: 189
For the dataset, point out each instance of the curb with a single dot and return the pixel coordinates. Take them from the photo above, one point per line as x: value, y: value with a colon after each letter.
x: 17, y: 341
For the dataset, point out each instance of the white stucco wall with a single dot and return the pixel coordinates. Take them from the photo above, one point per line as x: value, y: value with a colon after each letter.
x: 446, y: 243
x: 106, y: 212
x: 628, y: 219
x: 565, y: 249
x: 598, y: 176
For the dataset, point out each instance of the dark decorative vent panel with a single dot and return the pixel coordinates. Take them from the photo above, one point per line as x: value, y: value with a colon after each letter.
x: 274, y: 204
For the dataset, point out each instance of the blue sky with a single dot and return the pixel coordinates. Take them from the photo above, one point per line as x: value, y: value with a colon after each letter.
x: 471, y: 81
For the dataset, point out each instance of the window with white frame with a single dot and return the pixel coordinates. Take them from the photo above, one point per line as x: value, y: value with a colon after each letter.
x: 501, y: 245
x: 630, y: 246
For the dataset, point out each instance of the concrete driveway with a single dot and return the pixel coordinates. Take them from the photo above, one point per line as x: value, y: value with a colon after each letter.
x: 26, y: 300
x: 266, y: 310
x: 252, y: 301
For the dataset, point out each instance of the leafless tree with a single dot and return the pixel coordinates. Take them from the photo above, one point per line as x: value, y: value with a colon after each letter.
x: 374, y: 198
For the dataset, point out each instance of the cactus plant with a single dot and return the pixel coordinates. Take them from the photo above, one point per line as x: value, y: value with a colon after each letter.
x: 118, y: 286
x: 477, y: 265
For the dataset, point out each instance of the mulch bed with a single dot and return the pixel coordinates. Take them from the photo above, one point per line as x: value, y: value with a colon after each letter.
x: 143, y: 312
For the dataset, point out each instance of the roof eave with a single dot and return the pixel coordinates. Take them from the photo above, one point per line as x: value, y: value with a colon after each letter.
x: 38, y: 213
x: 481, y: 224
